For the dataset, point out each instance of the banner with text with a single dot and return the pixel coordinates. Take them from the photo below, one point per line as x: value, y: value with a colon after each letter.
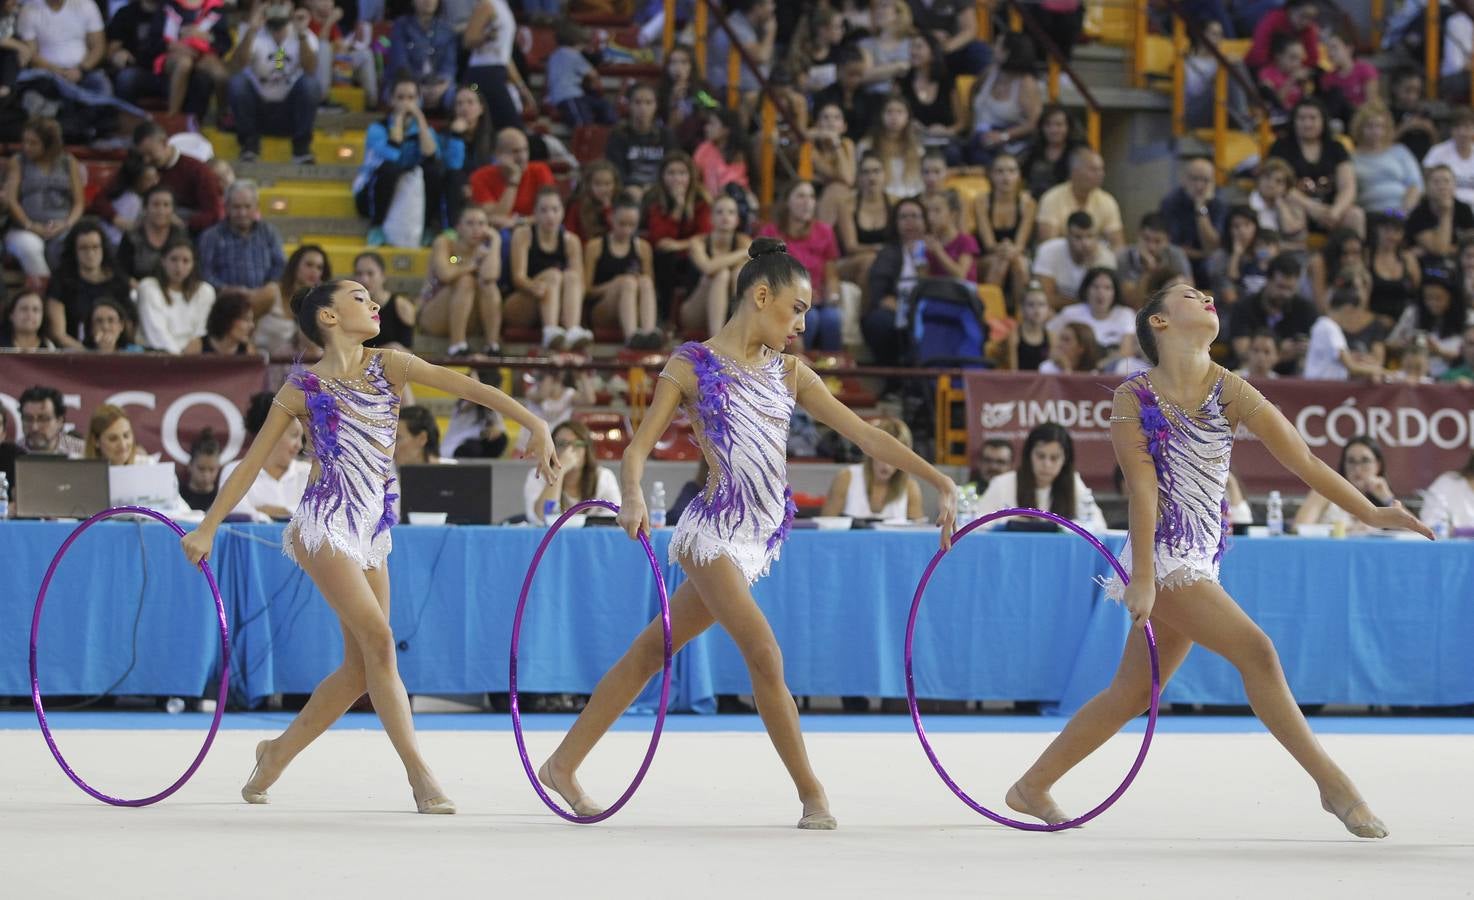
x: 1424, y: 430
x: 168, y: 399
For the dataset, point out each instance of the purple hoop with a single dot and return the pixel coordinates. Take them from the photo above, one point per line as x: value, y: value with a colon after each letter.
x: 1151, y: 644
x: 664, y: 682
x: 224, y: 661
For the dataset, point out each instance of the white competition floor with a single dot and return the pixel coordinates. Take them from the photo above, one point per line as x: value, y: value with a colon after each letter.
x: 1219, y: 810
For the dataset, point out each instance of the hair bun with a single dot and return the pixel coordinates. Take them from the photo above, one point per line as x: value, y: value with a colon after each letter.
x: 298, y: 297
x: 763, y: 246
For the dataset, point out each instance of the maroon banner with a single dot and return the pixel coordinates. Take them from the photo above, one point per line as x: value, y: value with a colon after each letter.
x: 168, y: 399
x: 1424, y: 430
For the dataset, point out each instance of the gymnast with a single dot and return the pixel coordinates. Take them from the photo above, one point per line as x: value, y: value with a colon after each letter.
x: 739, y: 389
x: 1172, y: 427
x: 349, y: 402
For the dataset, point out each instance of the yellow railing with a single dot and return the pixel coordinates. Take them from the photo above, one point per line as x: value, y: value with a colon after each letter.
x: 1432, y: 47
x: 1138, y: 42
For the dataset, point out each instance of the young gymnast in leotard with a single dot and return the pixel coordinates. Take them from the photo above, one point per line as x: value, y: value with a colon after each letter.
x: 740, y: 389
x: 339, y: 534
x: 1172, y: 427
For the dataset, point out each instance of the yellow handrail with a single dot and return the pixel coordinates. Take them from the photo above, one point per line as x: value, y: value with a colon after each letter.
x: 1092, y: 127
x: 1220, y: 122
x: 1052, y: 80
x: 1379, y: 9
x: 768, y: 152
x: 1179, y: 76
x: 1431, y: 49
x: 699, y: 23
x: 668, y: 36
x: 806, y: 161
x: 1138, y: 43
x: 984, y: 15
x: 734, y: 78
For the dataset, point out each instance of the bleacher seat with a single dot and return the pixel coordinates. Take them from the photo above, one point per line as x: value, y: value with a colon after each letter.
x: 611, y: 430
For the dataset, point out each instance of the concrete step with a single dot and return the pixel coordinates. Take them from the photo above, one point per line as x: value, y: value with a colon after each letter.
x: 335, y: 147
x: 293, y: 228
x: 271, y: 173
x: 401, y: 262
x: 308, y: 199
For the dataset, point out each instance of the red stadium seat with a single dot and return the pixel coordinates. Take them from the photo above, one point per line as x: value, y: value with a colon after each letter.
x: 678, y: 443
x: 611, y: 430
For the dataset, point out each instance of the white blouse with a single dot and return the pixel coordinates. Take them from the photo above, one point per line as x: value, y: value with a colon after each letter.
x: 607, y: 488
x: 285, y: 492
x: 1449, y: 499
x: 1109, y: 332
x: 170, y: 323
x: 1002, y: 493
x: 857, y: 500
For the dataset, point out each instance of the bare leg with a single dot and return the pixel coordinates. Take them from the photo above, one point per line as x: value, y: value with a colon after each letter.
x: 618, y: 689
x: 627, y: 297
x: 180, y: 65
x: 489, y: 302
x: 462, y: 298
x: 1128, y: 695
x: 552, y: 280
x: 718, y: 301
x: 646, y: 320
x: 572, y: 299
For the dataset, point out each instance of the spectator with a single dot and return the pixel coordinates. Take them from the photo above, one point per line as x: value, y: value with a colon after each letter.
x: 639, y: 145
x: 1005, y: 219
x: 1330, y: 357
x: 197, y: 37
x: 592, y: 203
x: 143, y: 245
x: 1061, y: 263
x: 1082, y: 193
x: 397, y: 312
x: 1100, y: 308
x: 134, y: 179
x: 1278, y: 308
x: 719, y: 257
x: 887, y: 49
x: 43, y: 189
x: 547, y: 270
x: 465, y: 265
x: 1005, y: 106
x: 1464, y: 269
x: 1127, y: 359
x: 417, y: 441
x: 1415, y: 128
x: 1440, y: 220
x: 1062, y: 21
x: 863, y: 219
x: 509, y: 189
x: 1154, y: 249
x: 283, y: 478
x: 573, y: 84
x: 399, y: 145
x: 1237, y: 269
x: 892, y: 279
x: 196, y: 190
x: 683, y: 99
x: 489, y: 35
x: 307, y: 267
x: 692, y: 489
x: 475, y: 432
x: 812, y: 243
x: 676, y: 212
x: 1298, y: 19
x: 1343, y: 256
x: 1363, y: 465
x: 1463, y: 373
x: 424, y: 44
x: 270, y: 90
x: 1387, y: 175
x: 1193, y: 215
x: 228, y: 328
x: 110, y: 437
x: 201, y: 480
x: 753, y: 25
x: 722, y: 159
x: 15, y: 54
x: 43, y: 418
x: 619, y: 279
x: 244, y: 253
x: 24, y: 324
x: 1435, y: 320
x: 1393, y: 269
x: 580, y: 477
x: 335, y: 50
x: 470, y: 130
x: 992, y: 459
x: 1349, y: 83
x: 175, y: 302
x: 1449, y: 500
x: 1325, y: 177
x: 928, y: 88
x: 1264, y: 356
x: 1453, y: 69
x: 109, y: 328
x: 1457, y: 153
x: 1286, y: 79
x: 1072, y: 349
x: 954, y: 27
x: 1028, y: 344
x: 950, y: 251
x: 1275, y: 205
x: 1046, y: 161
x: 812, y: 51
x: 877, y: 490
x: 847, y: 92
x: 834, y: 161
x: 896, y: 142
x: 86, y: 275
x: 66, y: 39
x: 1045, y: 479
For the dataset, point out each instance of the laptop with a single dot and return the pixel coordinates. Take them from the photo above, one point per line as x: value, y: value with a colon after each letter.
x: 54, y: 487
x: 462, y: 492
x: 152, y: 485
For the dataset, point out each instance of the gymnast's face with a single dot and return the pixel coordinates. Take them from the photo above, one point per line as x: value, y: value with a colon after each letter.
x: 1189, y: 310
x: 781, y: 312
x: 355, y: 311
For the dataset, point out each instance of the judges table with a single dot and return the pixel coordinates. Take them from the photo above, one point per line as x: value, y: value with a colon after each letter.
x: 1006, y: 616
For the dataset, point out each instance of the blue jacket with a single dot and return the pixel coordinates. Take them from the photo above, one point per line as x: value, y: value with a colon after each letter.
x: 378, y: 150
x: 425, y: 55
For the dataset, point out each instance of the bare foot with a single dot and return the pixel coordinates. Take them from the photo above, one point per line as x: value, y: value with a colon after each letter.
x: 430, y: 799
x: 265, y: 774
x: 1036, y: 803
x: 565, y: 784
x: 1356, y: 814
x: 816, y: 815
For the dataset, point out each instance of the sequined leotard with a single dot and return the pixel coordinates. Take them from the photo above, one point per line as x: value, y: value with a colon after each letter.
x: 741, y: 417
x: 1190, y: 450
x: 350, y: 504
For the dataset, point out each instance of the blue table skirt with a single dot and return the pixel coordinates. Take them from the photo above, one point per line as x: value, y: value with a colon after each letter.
x: 1007, y: 616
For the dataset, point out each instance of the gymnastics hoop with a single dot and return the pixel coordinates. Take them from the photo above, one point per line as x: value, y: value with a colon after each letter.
x: 224, y: 661
x: 664, y: 681
x: 1151, y: 645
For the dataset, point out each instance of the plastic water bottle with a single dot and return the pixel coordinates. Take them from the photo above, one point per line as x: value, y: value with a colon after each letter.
x: 1275, y: 516
x: 174, y: 706
x: 4, y: 496
x: 1440, y: 526
x: 657, y: 505
x: 550, y: 511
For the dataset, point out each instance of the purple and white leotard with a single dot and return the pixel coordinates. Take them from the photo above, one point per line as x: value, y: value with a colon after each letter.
x: 741, y: 416
x: 349, y: 506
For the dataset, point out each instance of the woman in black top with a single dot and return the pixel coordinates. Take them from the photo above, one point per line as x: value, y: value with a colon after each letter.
x: 1325, y: 179
x: 620, y: 287
x: 928, y: 89
x: 1394, y: 270
x: 1028, y: 343
x: 1005, y: 219
x: 547, y: 270
x: 864, y: 217
x: 1046, y: 161
x: 228, y: 328
x: 396, y: 311
x: 201, y: 479
x: 86, y: 274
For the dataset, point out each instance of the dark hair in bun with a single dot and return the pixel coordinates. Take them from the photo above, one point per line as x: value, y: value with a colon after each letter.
x: 307, y: 301
x: 768, y: 261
